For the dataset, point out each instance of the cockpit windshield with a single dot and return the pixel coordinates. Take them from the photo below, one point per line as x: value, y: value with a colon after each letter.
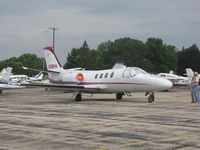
x: 133, y: 71
x: 140, y: 71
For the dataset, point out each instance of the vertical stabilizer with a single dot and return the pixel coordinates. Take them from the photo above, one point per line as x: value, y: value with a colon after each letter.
x: 6, y: 74
x: 189, y: 73
x: 52, y: 62
x: 39, y: 76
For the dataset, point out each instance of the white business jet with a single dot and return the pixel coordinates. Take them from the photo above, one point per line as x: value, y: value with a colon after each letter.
x: 119, y: 80
x: 4, y: 80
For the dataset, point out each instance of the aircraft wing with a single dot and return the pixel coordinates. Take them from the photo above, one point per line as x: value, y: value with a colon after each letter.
x: 46, y: 71
x: 8, y: 86
x: 67, y: 86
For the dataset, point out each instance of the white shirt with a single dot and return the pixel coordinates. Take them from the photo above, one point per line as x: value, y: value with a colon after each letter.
x: 195, y: 80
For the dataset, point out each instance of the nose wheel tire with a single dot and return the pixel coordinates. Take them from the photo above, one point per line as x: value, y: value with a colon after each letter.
x: 151, y: 97
x: 119, y: 96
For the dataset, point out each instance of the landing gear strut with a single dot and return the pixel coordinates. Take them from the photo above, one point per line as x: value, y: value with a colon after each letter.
x: 119, y: 95
x: 151, y: 96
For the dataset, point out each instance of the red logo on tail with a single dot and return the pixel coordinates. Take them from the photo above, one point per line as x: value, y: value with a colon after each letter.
x: 53, y: 66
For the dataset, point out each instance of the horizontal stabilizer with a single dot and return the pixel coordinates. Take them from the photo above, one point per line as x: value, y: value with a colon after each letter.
x: 46, y: 71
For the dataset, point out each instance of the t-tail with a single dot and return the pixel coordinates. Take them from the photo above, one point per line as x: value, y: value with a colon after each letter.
x: 51, y: 60
x: 53, y: 65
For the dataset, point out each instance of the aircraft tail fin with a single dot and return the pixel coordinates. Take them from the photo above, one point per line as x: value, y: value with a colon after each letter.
x: 6, y: 74
x: 189, y: 73
x: 2, y: 71
x: 39, y: 76
x: 52, y: 62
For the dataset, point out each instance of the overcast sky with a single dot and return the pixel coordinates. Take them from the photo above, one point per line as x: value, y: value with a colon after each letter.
x: 24, y: 23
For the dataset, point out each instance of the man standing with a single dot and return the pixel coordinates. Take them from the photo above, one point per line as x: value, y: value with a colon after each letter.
x: 195, y: 87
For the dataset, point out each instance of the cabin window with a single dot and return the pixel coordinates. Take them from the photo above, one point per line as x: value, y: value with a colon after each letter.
x: 101, y: 75
x: 106, y: 75
x: 112, y: 74
x: 96, y: 76
x: 162, y: 75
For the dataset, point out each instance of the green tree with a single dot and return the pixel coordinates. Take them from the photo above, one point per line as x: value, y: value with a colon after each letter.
x: 80, y: 57
x: 130, y: 51
x: 152, y: 56
x: 101, y: 55
x: 28, y: 60
x: 14, y: 63
x: 162, y: 57
x: 188, y: 58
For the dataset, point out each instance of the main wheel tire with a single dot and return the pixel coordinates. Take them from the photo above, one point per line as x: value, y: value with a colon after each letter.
x: 119, y: 95
x: 78, y: 98
x: 1, y: 91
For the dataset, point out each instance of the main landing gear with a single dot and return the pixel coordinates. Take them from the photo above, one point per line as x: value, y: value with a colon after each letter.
x: 120, y: 95
x: 77, y: 96
x: 151, y: 96
x: 1, y: 91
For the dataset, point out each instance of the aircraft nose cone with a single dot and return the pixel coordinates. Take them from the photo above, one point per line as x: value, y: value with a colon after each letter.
x: 167, y: 84
x: 160, y: 84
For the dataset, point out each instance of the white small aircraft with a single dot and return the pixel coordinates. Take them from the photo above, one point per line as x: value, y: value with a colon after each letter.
x: 175, y: 79
x: 4, y: 80
x: 18, y: 79
x: 120, y: 80
x: 2, y: 71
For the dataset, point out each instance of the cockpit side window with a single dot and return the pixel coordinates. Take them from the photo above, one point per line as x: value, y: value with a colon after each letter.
x: 133, y: 72
x: 126, y: 73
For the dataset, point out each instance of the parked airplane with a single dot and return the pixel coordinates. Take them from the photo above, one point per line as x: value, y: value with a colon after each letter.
x: 175, y: 79
x: 2, y: 71
x: 4, y: 80
x: 17, y: 79
x: 120, y: 80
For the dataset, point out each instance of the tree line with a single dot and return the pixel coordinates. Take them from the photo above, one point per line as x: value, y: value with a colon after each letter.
x: 154, y: 56
x: 28, y: 60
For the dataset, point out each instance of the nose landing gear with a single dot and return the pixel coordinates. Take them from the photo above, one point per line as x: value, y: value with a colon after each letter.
x: 151, y: 96
x: 119, y: 96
